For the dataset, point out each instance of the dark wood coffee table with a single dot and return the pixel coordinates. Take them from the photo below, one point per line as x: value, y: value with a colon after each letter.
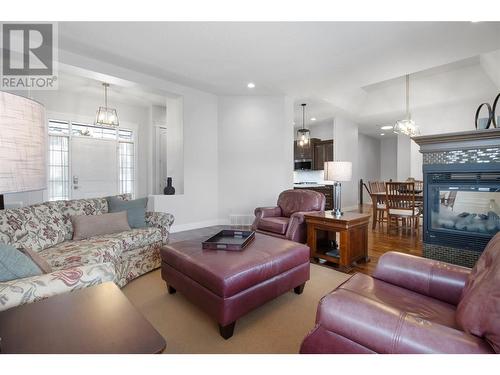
x: 96, y: 320
x: 353, y: 245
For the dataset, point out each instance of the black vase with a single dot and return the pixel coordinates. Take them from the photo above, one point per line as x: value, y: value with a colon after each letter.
x: 169, y: 189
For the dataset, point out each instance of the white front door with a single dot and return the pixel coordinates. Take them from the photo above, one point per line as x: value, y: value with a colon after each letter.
x: 94, y: 168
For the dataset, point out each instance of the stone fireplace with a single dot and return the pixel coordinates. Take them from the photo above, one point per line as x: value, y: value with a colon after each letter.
x: 461, y: 194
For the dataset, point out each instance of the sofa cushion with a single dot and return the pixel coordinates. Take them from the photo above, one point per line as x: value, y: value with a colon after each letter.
x: 274, y: 224
x: 479, y: 309
x: 78, y: 207
x: 78, y: 253
x: 136, y: 210
x: 35, y: 227
x: 87, y: 226
x: 135, y: 238
x: 15, y: 265
x: 402, y: 299
x: 291, y: 201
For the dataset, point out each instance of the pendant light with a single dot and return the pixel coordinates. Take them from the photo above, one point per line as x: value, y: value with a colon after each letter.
x: 106, y: 116
x: 407, y: 126
x: 303, y: 135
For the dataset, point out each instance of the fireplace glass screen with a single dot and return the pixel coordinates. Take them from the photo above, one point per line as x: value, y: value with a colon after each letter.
x: 467, y: 209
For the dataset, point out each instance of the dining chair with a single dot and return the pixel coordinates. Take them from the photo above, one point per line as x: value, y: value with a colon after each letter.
x: 400, y: 205
x: 378, y: 202
x: 419, y: 185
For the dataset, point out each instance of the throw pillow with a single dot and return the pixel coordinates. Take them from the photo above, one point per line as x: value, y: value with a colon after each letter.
x: 15, y: 265
x: 38, y: 260
x: 86, y: 226
x: 135, y: 209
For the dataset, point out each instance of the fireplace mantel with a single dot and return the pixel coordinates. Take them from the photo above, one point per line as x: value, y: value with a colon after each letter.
x: 459, y: 140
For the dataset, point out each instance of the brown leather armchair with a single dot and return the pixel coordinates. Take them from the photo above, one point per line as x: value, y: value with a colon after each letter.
x: 286, y: 220
x: 413, y: 305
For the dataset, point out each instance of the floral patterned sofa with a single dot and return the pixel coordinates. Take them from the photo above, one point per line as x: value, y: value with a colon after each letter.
x: 46, y: 228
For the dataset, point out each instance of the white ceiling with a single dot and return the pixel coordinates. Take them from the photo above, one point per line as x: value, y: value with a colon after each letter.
x: 118, y: 92
x: 350, y: 68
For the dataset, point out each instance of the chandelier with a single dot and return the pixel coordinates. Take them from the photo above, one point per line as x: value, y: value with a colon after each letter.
x: 106, y: 116
x: 303, y: 135
x: 407, y: 126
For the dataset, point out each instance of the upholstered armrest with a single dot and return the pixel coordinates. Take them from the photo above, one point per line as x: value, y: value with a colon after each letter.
x: 262, y: 212
x: 31, y: 289
x: 296, y: 220
x: 160, y: 220
x: 432, y: 278
x: 385, y: 329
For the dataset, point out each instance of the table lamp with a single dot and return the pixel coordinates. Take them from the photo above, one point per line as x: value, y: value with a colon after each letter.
x: 337, y: 171
x: 23, y: 145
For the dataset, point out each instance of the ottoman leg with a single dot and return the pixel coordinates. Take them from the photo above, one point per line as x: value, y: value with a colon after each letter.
x: 171, y: 289
x: 227, y: 331
x: 299, y: 289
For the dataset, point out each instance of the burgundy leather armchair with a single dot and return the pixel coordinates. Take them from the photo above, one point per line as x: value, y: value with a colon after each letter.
x: 286, y: 220
x: 413, y: 305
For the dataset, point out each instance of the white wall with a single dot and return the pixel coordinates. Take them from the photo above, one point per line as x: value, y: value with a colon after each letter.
x: 321, y: 129
x: 255, y: 152
x: 346, y: 149
x: 198, y: 206
x: 388, y: 159
x: 175, y: 141
x: 403, y: 159
x: 368, y: 161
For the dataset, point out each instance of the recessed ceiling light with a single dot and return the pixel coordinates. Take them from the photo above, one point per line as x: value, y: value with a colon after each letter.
x: 382, y: 134
x: 313, y: 118
x: 386, y: 127
x: 251, y: 85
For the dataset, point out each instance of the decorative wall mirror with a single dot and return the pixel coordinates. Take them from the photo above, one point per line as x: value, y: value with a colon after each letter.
x: 483, y: 116
x: 495, y: 112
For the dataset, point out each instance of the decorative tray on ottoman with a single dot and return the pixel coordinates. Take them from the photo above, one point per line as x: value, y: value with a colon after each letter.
x: 228, y: 239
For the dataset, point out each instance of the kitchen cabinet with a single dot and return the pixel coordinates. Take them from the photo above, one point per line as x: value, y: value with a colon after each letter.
x: 322, y: 151
x: 301, y: 153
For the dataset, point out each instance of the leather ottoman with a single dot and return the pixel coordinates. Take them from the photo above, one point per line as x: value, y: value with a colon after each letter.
x: 228, y: 284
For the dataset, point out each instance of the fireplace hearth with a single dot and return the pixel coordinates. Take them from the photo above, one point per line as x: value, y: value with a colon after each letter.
x: 461, y: 194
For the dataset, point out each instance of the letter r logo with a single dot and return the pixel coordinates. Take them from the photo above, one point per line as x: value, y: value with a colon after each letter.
x: 27, y: 49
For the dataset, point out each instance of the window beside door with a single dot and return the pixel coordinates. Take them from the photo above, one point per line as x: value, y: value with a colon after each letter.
x: 58, y: 184
x: 59, y: 163
x: 126, y: 157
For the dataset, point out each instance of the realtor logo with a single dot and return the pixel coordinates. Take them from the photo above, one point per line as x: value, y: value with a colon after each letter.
x: 29, y: 56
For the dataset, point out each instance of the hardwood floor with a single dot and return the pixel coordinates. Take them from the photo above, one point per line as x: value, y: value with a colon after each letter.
x: 379, y: 242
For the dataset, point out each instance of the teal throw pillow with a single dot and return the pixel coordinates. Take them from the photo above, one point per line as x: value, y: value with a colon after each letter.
x: 136, y: 210
x: 15, y: 265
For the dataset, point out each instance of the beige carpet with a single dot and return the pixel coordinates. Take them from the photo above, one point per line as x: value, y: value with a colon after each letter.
x: 277, y: 327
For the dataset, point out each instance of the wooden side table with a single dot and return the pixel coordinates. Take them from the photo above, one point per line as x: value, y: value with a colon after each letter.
x: 353, y: 244
x: 95, y: 320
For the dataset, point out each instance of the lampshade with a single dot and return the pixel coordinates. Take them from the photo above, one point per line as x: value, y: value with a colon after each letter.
x: 23, y: 144
x: 338, y: 171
